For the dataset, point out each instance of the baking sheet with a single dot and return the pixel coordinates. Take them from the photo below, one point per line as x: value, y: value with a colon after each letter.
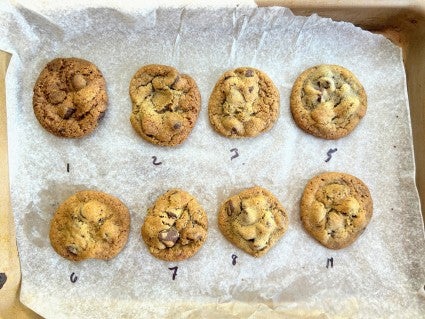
x: 385, y: 266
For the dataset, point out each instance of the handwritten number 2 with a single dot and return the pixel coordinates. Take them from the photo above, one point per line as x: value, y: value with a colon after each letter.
x: 155, y: 161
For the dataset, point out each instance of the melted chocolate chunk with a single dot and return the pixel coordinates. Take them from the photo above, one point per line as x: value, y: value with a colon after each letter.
x: 69, y: 113
x: 249, y: 73
x: 3, y: 279
x: 169, y: 237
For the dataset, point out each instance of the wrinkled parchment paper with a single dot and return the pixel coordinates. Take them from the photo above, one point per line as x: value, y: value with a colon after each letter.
x: 380, y: 275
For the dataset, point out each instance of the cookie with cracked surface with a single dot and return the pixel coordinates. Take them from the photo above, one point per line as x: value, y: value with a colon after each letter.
x: 328, y: 101
x: 243, y: 103
x: 70, y: 97
x: 253, y: 220
x: 165, y: 104
x: 335, y: 209
x: 175, y: 227
x: 90, y: 225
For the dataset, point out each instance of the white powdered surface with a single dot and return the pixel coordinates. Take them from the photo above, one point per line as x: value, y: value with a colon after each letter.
x: 380, y: 275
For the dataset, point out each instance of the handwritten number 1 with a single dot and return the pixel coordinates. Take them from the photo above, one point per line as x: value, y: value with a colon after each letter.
x: 330, y: 262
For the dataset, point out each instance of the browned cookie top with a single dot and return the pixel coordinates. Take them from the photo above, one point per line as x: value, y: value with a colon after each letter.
x: 175, y: 226
x: 335, y: 209
x: 69, y: 97
x: 165, y: 103
x: 253, y: 220
x: 243, y: 103
x: 90, y: 224
x: 328, y: 101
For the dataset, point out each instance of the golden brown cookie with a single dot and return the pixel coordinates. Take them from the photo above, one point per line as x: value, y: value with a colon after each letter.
x: 253, y: 220
x: 165, y: 103
x: 90, y: 224
x: 328, y: 101
x: 243, y: 103
x: 335, y: 209
x: 175, y: 227
x: 70, y: 97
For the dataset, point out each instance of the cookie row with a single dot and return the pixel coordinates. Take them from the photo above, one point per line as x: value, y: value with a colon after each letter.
x: 335, y: 209
x: 70, y: 97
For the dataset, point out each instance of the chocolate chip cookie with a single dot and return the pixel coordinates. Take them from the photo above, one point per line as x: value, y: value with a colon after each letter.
x: 90, y: 224
x: 175, y: 227
x: 253, y: 220
x: 70, y: 97
x: 165, y: 103
x: 243, y: 103
x: 335, y: 209
x: 328, y: 101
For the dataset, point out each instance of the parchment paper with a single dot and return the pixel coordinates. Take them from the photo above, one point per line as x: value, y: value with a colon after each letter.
x: 380, y: 275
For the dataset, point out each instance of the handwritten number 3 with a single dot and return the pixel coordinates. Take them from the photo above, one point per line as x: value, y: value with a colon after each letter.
x: 236, y: 153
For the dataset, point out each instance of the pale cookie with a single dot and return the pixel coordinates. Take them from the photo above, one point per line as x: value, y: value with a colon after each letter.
x: 243, y: 103
x: 90, y: 224
x: 165, y: 103
x: 175, y: 227
x: 70, y: 97
x: 328, y: 101
x: 335, y: 209
x: 253, y: 220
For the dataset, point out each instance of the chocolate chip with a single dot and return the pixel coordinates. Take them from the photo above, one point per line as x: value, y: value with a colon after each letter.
x: 171, y: 215
x: 69, y: 113
x: 250, y: 89
x: 3, y: 279
x: 323, y: 84
x: 177, y: 125
x: 78, y: 82
x: 175, y: 82
x: 169, y: 237
x: 72, y: 249
x: 101, y: 115
x: 249, y: 73
x: 230, y: 208
x: 57, y: 97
